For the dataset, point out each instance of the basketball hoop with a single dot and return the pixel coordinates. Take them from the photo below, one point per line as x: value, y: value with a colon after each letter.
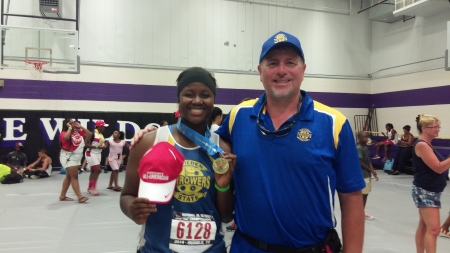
x: 36, y: 68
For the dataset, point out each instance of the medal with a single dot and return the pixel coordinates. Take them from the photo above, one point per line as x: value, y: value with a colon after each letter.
x: 220, y: 165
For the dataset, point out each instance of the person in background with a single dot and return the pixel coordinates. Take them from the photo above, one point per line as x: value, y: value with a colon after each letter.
x: 17, y: 158
x: 366, y: 167
x: 404, y: 151
x: 445, y: 232
x: 93, y: 155
x: 164, y: 123
x: 41, y: 168
x: 391, y: 139
x: 5, y: 169
x: 199, y: 192
x: 115, y: 158
x: 216, y: 118
x: 72, y: 139
x: 429, y: 182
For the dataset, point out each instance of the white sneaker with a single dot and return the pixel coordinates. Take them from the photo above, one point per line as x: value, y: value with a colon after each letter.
x: 34, y: 177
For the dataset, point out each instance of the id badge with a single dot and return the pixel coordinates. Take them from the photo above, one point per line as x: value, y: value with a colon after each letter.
x: 192, y: 233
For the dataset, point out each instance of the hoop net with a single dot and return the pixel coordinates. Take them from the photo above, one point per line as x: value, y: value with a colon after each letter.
x: 36, y: 68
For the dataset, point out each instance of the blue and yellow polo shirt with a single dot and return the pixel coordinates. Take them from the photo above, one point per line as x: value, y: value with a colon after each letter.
x: 285, y: 186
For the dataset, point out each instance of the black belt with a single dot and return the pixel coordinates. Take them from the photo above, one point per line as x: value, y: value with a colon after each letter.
x: 279, y: 248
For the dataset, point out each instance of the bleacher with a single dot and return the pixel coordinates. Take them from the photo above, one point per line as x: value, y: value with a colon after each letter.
x: 441, y: 145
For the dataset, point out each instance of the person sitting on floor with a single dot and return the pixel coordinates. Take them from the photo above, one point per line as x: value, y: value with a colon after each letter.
x: 17, y: 158
x: 390, y: 140
x: 5, y: 169
x: 404, y: 151
x: 41, y: 168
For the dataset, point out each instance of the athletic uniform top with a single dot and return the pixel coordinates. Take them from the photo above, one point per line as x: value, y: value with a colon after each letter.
x: 395, y: 140
x: 285, y: 186
x: 76, y: 139
x: 97, y: 140
x: 190, y: 222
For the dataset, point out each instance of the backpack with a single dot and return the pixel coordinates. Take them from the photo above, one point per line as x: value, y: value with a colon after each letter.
x: 12, y: 178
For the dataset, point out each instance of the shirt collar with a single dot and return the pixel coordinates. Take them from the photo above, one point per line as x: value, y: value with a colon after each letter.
x: 306, y: 111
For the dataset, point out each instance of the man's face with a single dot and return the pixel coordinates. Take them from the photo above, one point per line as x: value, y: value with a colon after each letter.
x: 281, y: 72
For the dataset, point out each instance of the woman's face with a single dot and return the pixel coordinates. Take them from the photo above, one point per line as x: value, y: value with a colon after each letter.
x: 432, y: 129
x: 196, y: 103
x: 116, y: 135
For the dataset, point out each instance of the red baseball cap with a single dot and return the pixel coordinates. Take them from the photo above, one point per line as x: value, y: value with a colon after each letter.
x: 159, y: 169
x: 100, y: 123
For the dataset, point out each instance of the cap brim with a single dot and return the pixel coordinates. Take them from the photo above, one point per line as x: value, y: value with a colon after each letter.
x: 157, y: 193
x: 106, y: 125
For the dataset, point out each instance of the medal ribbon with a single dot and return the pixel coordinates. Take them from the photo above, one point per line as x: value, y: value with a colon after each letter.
x: 203, y: 141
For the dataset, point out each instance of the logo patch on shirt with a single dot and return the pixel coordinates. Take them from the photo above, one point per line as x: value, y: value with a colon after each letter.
x: 304, y: 134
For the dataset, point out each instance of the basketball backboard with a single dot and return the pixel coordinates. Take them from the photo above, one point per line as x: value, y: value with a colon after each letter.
x: 59, y: 48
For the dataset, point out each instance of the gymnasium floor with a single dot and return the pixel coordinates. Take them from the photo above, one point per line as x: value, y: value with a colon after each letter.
x: 33, y: 220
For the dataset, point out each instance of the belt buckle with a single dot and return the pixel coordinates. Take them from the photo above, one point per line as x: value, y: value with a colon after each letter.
x: 262, y: 245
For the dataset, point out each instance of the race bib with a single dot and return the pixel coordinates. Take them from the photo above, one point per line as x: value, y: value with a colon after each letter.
x: 192, y: 232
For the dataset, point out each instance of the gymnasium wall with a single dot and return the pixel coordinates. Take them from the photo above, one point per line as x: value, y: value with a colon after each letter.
x: 132, y: 51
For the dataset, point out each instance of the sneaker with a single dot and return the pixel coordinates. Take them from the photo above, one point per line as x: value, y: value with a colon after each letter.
x: 34, y: 177
x: 93, y: 192
x: 232, y: 227
x: 80, y: 171
x: 376, y: 157
x: 368, y: 217
x: 384, y: 159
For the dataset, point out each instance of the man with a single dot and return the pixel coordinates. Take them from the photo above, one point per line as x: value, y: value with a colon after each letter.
x: 293, y: 153
x: 17, y: 158
x: 41, y: 168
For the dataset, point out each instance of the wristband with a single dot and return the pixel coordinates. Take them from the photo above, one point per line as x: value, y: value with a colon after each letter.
x: 70, y: 128
x: 222, y: 189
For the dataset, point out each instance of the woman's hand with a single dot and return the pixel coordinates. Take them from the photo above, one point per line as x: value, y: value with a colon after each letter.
x: 140, y: 209
x: 224, y: 180
x: 138, y: 137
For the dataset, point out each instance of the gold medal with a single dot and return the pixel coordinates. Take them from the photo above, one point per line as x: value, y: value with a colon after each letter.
x: 220, y: 165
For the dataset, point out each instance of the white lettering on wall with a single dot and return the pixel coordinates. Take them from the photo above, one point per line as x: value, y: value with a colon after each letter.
x: 49, y: 130
x: 10, y: 128
x: 123, y: 127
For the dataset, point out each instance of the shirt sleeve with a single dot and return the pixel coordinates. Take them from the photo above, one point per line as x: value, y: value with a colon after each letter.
x: 224, y: 131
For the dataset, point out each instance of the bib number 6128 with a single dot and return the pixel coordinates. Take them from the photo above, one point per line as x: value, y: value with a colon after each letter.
x: 194, y: 230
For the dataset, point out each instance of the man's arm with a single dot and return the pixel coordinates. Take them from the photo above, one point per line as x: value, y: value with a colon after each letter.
x: 31, y: 166
x: 352, y: 221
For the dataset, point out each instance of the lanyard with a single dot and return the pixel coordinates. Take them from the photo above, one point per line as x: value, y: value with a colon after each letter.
x: 203, y: 141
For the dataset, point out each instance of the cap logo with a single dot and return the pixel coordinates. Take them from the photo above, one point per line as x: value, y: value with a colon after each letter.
x: 280, y: 38
x: 155, y: 176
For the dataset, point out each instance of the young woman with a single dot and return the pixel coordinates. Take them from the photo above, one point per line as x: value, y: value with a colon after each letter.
x: 404, y: 151
x: 199, y: 192
x: 93, y: 155
x: 429, y: 182
x: 115, y: 158
x: 72, y: 140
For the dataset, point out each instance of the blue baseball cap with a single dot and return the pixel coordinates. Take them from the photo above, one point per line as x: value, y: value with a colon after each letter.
x: 280, y: 39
